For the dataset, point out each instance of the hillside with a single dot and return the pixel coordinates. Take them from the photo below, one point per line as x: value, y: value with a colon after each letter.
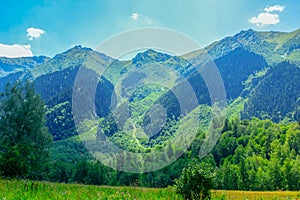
x: 281, y: 83
x: 238, y: 58
x: 275, y: 47
x: 142, y: 104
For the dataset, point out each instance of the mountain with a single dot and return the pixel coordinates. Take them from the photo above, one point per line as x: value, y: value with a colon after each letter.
x: 11, y: 69
x: 149, y: 56
x: 14, y: 65
x: 143, y: 103
x: 54, y: 80
x: 254, y: 66
x: 267, y: 52
x: 73, y: 57
x: 274, y: 46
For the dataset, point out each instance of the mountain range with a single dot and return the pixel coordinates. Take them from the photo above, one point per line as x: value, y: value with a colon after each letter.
x: 260, y: 72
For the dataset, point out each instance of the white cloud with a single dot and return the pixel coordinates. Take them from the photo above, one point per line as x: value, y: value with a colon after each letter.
x: 34, y: 33
x: 135, y: 16
x: 278, y: 8
x: 141, y: 18
x: 265, y: 19
x: 15, y: 50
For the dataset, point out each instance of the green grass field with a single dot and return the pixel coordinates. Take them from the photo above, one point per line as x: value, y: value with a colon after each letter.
x: 12, y: 189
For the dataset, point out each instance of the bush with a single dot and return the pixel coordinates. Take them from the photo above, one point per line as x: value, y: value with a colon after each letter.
x: 195, y: 182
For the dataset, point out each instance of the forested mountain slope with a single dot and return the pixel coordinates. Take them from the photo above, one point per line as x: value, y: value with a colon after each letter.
x: 261, y: 76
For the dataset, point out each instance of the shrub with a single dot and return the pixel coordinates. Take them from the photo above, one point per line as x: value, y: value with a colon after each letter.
x: 195, y: 182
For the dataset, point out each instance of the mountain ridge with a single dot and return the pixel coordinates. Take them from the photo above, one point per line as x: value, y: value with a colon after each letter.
x: 243, y: 62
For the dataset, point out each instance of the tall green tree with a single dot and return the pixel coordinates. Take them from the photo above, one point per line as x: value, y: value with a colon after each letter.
x: 24, y: 138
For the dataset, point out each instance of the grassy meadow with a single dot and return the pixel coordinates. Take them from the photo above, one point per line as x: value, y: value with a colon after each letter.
x: 13, y: 189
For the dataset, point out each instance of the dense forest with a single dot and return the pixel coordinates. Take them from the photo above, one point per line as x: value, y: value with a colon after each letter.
x: 250, y: 155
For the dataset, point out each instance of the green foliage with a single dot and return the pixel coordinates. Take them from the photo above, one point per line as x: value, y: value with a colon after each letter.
x: 265, y: 157
x: 195, y: 182
x: 250, y: 155
x: 24, y: 138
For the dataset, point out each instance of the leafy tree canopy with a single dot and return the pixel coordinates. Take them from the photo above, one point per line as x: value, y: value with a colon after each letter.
x: 24, y: 138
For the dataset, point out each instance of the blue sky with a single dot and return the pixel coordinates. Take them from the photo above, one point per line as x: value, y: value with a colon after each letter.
x: 48, y: 27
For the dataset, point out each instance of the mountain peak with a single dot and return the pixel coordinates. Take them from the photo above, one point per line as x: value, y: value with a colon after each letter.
x: 249, y: 31
x: 248, y: 35
x: 150, y: 51
x: 74, y: 57
x: 149, y: 55
x: 77, y: 49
